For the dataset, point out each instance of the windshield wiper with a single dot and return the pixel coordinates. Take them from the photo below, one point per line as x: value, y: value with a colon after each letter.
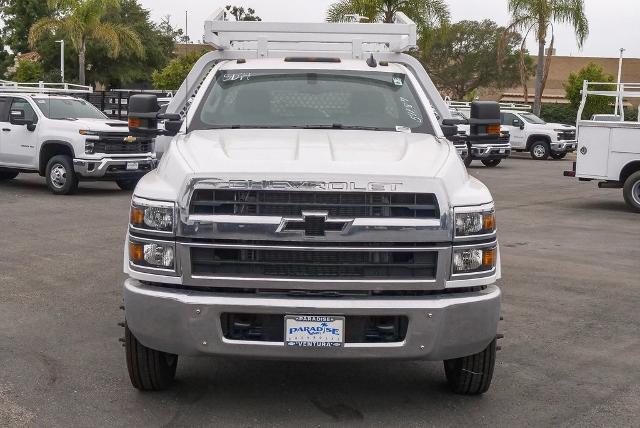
x: 347, y: 127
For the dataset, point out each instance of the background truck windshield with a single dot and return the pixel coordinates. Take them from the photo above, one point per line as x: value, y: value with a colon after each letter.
x: 68, y: 109
x: 317, y: 99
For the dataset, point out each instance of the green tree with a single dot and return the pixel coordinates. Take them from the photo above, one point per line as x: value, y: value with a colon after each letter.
x: 171, y: 77
x: 463, y: 57
x: 595, y: 104
x: 539, y: 17
x: 82, y: 22
x: 18, y: 17
x: 28, y: 71
x: 129, y: 67
x: 240, y: 14
x: 426, y: 13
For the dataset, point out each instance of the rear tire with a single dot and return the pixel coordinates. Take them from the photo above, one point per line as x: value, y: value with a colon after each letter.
x: 127, y: 184
x: 491, y: 163
x: 8, y: 174
x: 61, y: 177
x: 558, y: 155
x: 540, y: 150
x: 631, y: 191
x: 149, y: 370
x: 472, y: 375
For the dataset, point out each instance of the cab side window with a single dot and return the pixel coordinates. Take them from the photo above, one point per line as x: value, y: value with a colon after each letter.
x: 29, y: 112
x: 5, y: 103
x: 510, y: 119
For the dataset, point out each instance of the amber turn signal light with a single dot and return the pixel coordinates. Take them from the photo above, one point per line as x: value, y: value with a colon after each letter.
x: 489, y: 221
x: 493, y: 129
x: 137, y: 216
x: 136, y: 252
x: 489, y: 257
x: 135, y: 122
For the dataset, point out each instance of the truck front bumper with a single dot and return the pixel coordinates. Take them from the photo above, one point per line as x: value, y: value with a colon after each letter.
x: 189, y: 323
x: 564, y: 146
x: 113, y: 168
x: 490, y: 151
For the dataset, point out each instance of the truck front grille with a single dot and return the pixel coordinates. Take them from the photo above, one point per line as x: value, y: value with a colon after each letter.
x: 567, y: 136
x: 292, y: 203
x: 365, y: 263
x: 116, y: 145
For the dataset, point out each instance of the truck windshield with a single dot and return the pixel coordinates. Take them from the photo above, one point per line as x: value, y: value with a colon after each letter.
x: 60, y: 109
x: 311, y: 100
x: 532, y: 118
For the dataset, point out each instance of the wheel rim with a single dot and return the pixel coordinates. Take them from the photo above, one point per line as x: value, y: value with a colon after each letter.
x: 539, y: 151
x: 635, y: 192
x: 58, y: 176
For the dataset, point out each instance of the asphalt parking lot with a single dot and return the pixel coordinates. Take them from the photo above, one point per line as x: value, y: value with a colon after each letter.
x: 571, y: 356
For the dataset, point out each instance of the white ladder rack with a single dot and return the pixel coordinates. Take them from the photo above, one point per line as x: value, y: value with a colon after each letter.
x: 275, y: 39
x: 503, y: 106
x: 44, y: 88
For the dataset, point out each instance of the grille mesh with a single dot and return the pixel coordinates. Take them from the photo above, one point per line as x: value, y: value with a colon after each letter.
x: 313, y: 264
x: 292, y: 203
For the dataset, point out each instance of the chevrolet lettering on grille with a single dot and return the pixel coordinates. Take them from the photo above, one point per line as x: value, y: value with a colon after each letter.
x: 314, y: 224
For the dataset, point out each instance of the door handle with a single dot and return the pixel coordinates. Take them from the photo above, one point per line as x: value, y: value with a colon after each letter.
x: 6, y: 130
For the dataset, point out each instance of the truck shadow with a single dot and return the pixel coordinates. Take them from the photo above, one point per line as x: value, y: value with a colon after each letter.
x: 323, y: 392
x: 35, y: 187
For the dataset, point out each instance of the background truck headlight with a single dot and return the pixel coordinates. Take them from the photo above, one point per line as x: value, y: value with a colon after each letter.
x: 153, y: 215
x: 474, y: 260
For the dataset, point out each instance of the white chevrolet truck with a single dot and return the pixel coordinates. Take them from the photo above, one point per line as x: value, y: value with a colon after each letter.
x: 45, y: 130
x: 609, y: 149
x: 310, y: 207
x: 542, y: 140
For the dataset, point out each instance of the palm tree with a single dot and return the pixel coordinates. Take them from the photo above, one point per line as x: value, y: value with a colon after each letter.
x: 539, y: 17
x: 426, y: 13
x: 82, y: 21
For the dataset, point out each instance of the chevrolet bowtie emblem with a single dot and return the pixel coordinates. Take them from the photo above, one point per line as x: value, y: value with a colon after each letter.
x: 313, y: 224
x: 130, y: 139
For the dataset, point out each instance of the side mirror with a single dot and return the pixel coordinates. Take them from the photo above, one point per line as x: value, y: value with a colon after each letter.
x: 449, y: 130
x: 143, y: 115
x: 521, y: 125
x: 484, y: 121
x: 173, y: 123
x: 18, y: 117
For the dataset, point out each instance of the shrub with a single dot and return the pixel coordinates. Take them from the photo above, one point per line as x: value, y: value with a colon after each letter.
x: 559, y: 113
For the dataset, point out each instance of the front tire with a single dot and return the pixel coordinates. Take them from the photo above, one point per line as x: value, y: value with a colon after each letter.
x: 8, y: 174
x: 61, y: 178
x: 491, y: 163
x: 540, y: 150
x: 472, y: 375
x: 149, y: 370
x: 127, y: 184
x: 631, y: 191
x: 558, y: 156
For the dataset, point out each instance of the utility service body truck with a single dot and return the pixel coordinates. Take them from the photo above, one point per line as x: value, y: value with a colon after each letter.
x: 609, y: 149
x: 310, y: 207
x: 45, y: 130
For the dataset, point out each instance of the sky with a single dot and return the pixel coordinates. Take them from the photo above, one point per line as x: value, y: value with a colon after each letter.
x: 614, y: 24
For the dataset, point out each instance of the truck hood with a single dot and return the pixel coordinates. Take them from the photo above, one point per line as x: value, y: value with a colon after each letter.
x: 561, y: 126
x: 325, y: 152
x: 98, y: 125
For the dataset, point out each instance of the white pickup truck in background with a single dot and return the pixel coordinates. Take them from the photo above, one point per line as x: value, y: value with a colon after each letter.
x: 609, y: 151
x: 45, y: 130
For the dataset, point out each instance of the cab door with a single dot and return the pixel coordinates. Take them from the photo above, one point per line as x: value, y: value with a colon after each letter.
x: 5, y: 103
x: 18, y: 142
x: 514, y: 124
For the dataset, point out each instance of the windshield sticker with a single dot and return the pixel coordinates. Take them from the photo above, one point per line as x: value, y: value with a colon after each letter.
x: 411, y: 110
x: 236, y: 77
x: 41, y: 101
x: 404, y: 129
x: 397, y: 80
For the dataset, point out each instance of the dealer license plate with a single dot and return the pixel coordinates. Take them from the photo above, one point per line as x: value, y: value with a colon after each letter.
x: 311, y: 331
x: 132, y: 166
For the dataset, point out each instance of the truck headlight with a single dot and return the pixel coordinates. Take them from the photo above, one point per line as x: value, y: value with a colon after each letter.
x: 154, y: 254
x: 155, y: 216
x: 474, y: 260
x: 475, y: 222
